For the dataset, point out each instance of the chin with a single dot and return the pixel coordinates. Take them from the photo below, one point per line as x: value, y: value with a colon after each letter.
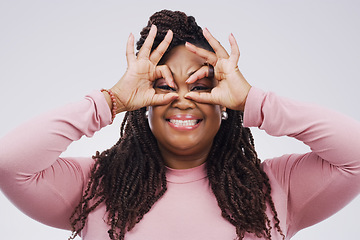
x: 189, y: 149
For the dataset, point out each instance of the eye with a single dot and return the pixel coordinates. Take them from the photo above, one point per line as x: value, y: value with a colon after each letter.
x: 200, y: 88
x: 202, y: 85
x: 165, y: 87
x: 162, y: 85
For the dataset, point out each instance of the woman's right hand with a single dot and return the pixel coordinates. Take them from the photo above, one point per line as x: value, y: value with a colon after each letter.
x: 135, y: 89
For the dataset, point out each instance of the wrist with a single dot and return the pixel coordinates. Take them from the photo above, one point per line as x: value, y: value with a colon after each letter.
x: 110, y: 99
x: 243, y: 91
x: 107, y: 98
x: 120, y: 106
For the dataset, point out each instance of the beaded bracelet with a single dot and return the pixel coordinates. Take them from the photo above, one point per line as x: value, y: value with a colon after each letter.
x: 113, y: 101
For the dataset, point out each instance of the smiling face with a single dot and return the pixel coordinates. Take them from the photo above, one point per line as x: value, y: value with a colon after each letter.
x: 184, y: 129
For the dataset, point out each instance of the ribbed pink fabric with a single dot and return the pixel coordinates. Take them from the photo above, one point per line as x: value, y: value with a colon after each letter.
x: 306, y: 188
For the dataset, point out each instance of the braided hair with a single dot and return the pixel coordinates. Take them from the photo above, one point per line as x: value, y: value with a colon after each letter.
x: 130, y: 177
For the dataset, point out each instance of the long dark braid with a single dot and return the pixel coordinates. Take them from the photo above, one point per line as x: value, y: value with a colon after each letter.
x: 240, y: 186
x: 130, y: 176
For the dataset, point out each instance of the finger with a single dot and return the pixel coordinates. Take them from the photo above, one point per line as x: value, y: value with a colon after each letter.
x: 200, y: 97
x: 130, y: 55
x: 163, y: 71
x: 235, y: 52
x: 157, y: 54
x: 199, y: 74
x: 215, y: 44
x: 163, y: 99
x: 210, y: 57
x: 146, y: 47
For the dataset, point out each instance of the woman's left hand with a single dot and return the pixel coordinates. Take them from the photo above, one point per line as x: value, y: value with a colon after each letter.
x: 232, y: 88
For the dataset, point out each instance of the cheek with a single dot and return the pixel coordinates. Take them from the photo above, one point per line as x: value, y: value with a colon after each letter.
x: 214, y: 114
x: 213, y: 119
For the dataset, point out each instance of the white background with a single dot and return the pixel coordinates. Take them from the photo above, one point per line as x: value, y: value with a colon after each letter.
x: 54, y: 52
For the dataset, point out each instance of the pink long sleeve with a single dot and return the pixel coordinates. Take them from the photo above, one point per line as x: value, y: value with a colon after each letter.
x: 319, y: 183
x: 32, y: 175
x: 306, y: 188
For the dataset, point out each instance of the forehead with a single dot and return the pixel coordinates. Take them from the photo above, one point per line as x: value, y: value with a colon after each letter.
x: 180, y: 57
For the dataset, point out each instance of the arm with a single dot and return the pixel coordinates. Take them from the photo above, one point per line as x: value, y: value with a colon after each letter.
x: 319, y: 183
x: 32, y: 175
x: 35, y: 178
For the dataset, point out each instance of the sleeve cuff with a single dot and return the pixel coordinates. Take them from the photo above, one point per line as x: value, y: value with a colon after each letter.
x: 103, y: 111
x: 252, y: 113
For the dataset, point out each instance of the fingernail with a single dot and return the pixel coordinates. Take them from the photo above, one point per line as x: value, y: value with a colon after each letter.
x: 169, y: 81
x: 174, y: 96
x: 190, y: 47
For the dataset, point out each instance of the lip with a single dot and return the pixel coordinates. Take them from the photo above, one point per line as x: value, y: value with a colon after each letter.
x: 184, y: 122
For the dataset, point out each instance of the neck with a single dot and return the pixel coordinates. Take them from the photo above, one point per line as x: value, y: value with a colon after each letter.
x: 184, y: 159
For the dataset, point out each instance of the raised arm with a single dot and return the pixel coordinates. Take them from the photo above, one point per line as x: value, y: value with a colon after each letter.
x: 32, y: 175
x: 35, y: 178
x: 318, y: 183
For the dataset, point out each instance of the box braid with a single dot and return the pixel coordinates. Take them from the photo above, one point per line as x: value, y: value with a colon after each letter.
x: 130, y: 177
x: 240, y: 186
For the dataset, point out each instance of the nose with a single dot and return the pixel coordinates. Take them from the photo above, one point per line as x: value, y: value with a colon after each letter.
x: 183, y: 103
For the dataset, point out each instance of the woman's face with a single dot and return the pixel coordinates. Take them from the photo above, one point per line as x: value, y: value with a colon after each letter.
x: 184, y: 127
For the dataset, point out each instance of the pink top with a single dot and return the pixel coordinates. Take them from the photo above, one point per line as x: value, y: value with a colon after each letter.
x: 306, y: 188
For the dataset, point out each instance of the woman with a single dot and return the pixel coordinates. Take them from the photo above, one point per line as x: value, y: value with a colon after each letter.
x: 185, y: 166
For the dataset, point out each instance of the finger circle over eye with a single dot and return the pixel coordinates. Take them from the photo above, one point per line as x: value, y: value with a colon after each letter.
x: 163, y: 71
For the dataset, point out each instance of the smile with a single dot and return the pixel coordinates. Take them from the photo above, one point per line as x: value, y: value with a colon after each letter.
x: 184, y: 122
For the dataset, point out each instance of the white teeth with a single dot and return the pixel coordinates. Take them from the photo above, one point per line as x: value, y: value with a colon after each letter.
x: 183, y: 122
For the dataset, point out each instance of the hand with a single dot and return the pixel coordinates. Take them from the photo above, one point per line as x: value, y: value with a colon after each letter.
x: 232, y: 88
x: 135, y: 89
